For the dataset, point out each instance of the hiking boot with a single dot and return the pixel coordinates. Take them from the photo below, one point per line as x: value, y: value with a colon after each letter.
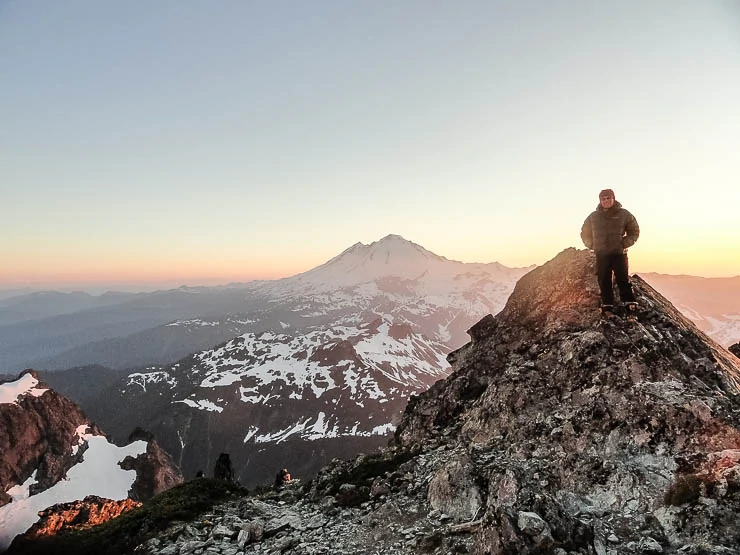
x: 631, y: 312
x: 607, y: 310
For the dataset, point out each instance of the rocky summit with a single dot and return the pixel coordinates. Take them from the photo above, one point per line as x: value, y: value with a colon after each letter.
x: 558, y: 432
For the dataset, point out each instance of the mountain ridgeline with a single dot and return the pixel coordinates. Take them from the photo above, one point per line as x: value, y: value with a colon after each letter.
x: 52, y: 331
x: 124, y: 331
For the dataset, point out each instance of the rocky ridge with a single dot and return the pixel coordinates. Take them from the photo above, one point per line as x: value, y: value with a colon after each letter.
x: 37, y: 433
x: 76, y: 515
x: 558, y: 432
x: 52, y: 454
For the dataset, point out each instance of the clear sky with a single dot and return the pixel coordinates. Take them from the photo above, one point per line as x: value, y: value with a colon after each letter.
x: 193, y: 142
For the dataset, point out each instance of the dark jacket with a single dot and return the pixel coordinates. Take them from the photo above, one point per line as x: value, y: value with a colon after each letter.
x: 610, y: 231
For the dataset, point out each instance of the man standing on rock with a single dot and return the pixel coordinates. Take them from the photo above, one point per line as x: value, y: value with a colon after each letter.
x: 610, y: 230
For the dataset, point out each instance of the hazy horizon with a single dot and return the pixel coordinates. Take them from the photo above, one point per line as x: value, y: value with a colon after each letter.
x: 144, y: 287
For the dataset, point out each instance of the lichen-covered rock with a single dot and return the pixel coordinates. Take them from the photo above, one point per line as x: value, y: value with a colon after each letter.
x: 453, y: 491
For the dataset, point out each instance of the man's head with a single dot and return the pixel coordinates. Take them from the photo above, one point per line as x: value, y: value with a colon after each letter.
x: 606, y: 198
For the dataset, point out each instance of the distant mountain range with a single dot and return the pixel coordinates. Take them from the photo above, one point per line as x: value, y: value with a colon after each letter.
x: 55, y: 331
x: 89, y: 334
x: 300, y: 369
x: 323, y: 368
x: 128, y: 331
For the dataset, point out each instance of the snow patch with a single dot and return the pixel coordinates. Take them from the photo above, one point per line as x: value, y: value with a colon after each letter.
x: 10, y: 392
x: 99, y: 473
x: 193, y: 322
x: 383, y: 430
x: 150, y: 378
x: 726, y: 330
x: 250, y: 433
x: 320, y: 427
x: 202, y: 404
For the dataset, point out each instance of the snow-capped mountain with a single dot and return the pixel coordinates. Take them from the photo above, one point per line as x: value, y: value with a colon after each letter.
x: 415, y: 269
x: 259, y: 395
x: 398, y: 277
x: 52, y: 453
x: 324, y: 367
x: 391, y: 276
x: 379, y: 361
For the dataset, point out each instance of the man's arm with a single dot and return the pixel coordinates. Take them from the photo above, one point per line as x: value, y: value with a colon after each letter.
x: 631, y: 232
x: 587, y: 235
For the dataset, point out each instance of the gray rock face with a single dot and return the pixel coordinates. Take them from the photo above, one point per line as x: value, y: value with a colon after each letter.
x: 156, y: 471
x: 605, y: 429
x: 735, y: 349
x: 557, y: 433
x: 453, y: 491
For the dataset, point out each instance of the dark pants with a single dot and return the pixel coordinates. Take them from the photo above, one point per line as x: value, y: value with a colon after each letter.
x: 606, y: 264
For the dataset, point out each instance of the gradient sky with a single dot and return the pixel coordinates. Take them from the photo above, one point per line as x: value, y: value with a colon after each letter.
x: 199, y: 142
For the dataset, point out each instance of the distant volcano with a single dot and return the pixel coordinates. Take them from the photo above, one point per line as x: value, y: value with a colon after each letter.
x: 393, y: 259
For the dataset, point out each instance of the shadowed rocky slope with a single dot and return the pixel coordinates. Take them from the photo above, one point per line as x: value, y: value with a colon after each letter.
x: 557, y: 433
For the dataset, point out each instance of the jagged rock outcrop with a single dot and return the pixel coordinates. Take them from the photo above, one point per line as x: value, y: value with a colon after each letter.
x: 616, y: 436
x: 558, y: 432
x: 51, y: 454
x: 75, y: 515
x: 735, y: 349
x: 223, y: 470
x: 156, y: 471
x: 37, y: 432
